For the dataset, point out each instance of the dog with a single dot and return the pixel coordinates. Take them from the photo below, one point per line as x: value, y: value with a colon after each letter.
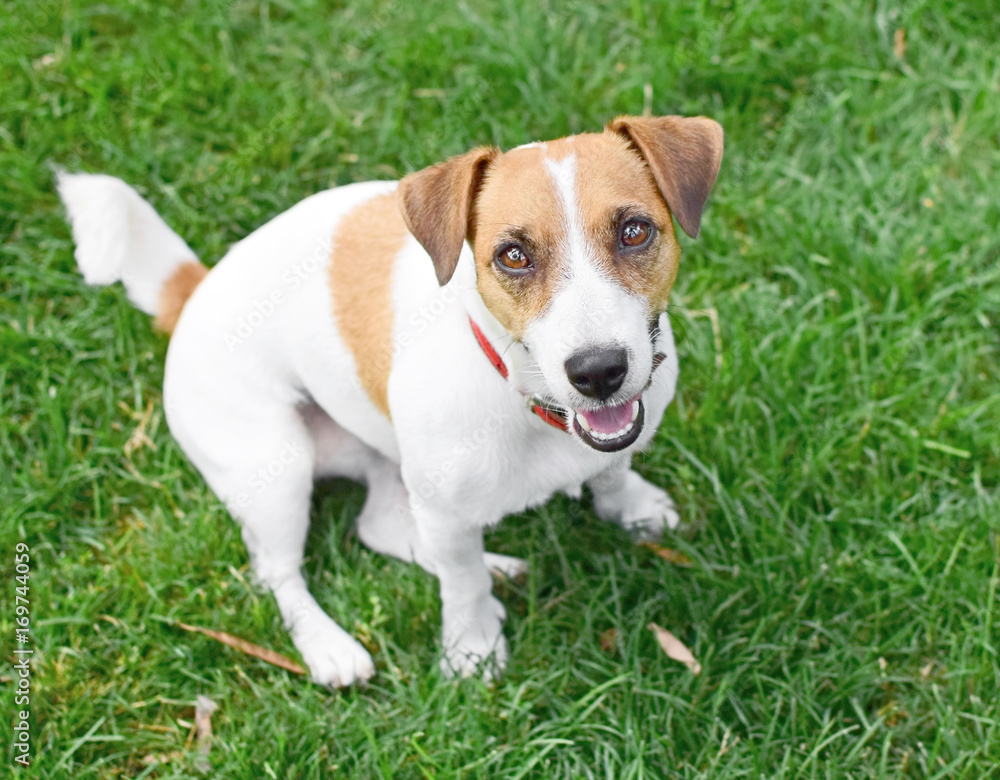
x: 467, y: 342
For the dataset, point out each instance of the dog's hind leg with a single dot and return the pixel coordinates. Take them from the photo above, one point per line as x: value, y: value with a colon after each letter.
x: 385, y: 524
x: 262, y: 468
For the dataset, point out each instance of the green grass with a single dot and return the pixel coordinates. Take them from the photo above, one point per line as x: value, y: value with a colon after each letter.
x: 834, y: 446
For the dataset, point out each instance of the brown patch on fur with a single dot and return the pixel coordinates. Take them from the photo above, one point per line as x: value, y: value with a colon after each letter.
x: 175, y: 293
x: 518, y: 202
x: 366, y: 244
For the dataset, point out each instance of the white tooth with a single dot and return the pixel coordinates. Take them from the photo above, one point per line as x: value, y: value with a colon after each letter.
x: 635, y: 409
x: 583, y: 422
x: 610, y: 436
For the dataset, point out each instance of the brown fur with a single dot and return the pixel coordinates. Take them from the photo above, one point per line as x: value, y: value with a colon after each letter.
x: 650, y: 167
x: 366, y: 244
x: 684, y: 154
x: 518, y: 192
x: 175, y: 293
x: 609, y: 176
x: 436, y: 204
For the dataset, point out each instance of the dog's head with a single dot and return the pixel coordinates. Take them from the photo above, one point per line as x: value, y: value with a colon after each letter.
x: 575, y: 251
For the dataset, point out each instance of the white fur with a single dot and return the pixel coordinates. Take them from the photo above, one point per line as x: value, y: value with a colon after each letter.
x: 588, y: 309
x: 262, y: 394
x: 119, y: 237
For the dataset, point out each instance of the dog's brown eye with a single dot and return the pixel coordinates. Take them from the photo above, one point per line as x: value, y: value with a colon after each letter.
x: 635, y: 233
x: 514, y: 258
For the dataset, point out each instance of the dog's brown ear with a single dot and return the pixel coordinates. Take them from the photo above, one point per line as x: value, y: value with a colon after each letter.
x: 684, y: 154
x: 436, y: 204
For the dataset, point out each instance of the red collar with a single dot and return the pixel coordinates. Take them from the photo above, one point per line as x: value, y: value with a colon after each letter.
x: 553, y: 416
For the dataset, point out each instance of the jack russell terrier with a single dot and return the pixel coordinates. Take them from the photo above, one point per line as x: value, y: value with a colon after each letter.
x: 467, y: 342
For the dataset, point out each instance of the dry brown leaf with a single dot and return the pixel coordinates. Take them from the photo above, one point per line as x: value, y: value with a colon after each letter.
x: 669, y: 554
x: 270, y: 656
x: 608, y: 640
x: 899, y: 43
x: 675, y: 648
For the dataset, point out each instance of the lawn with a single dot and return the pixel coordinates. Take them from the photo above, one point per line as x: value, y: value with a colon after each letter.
x: 834, y: 447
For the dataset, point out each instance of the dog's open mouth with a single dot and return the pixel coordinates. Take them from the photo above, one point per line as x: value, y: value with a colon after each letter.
x: 610, y: 428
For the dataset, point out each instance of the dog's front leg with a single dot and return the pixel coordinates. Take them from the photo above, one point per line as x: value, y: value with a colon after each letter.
x: 640, y: 507
x: 471, y: 617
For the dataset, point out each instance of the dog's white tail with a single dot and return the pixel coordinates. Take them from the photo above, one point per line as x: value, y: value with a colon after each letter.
x: 119, y: 236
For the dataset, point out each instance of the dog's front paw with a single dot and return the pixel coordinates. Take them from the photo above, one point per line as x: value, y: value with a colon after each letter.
x: 474, y: 642
x: 638, y: 506
x: 335, y: 658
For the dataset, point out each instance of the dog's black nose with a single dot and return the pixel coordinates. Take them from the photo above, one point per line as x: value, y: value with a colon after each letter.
x: 598, y: 373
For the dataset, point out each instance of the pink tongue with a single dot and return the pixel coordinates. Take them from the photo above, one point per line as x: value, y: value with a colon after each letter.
x: 611, y: 418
